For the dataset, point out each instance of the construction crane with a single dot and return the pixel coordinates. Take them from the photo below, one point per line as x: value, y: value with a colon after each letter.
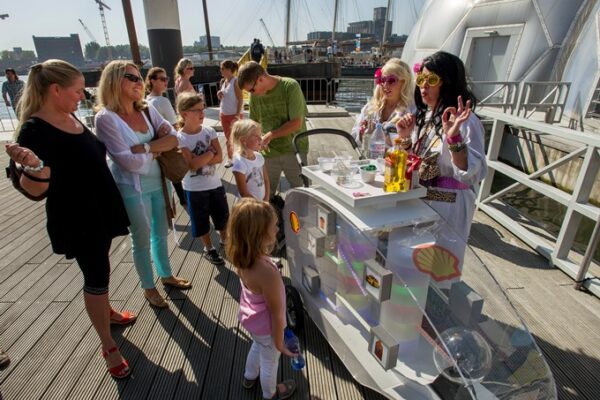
x: 101, y: 7
x: 89, y: 33
x: 268, y: 34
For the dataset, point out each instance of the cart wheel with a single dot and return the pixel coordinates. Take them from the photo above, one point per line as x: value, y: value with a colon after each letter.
x: 295, y: 310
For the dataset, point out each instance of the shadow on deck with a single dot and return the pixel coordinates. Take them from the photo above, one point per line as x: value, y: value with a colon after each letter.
x: 196, y: 349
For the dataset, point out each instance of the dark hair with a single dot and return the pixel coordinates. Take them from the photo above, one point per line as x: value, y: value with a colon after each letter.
x: 451, y: 70
x: 230, y: 65
x: 7, y: 70
x: 152, y: 74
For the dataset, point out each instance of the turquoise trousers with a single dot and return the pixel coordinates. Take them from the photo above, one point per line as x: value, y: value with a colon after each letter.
x: 149, y: 234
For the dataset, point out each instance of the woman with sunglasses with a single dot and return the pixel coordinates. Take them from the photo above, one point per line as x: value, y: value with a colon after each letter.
x: 184, y: 70
x: 449, y: 139
x: 126, y: 124
x: 392, y: 98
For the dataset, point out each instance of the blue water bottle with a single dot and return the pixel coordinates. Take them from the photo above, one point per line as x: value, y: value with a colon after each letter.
x: 293, y: 344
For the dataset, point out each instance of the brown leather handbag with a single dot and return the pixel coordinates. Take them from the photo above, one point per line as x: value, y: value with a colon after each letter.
x: 172, y: 164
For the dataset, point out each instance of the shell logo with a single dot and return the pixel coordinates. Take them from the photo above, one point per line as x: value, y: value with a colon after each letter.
x: 294, y: 222
x: 436, y: 261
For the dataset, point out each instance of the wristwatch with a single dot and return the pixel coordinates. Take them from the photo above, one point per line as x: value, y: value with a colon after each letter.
x: 147, y: 147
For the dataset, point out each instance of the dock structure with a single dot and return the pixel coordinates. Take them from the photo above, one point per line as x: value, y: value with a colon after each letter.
x: 197, y: 349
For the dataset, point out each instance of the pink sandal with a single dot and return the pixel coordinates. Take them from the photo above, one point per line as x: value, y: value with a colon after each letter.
x: 126, y: 318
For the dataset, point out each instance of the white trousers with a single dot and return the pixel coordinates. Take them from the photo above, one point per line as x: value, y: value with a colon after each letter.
x: 263, y: 359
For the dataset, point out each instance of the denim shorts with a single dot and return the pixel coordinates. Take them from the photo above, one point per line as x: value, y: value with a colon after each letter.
x: 204, y: 204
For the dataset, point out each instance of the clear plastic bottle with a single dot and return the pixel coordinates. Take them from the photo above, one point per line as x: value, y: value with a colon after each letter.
x: 293, y: 344
x: 394, y: 179
x: 377, y: 143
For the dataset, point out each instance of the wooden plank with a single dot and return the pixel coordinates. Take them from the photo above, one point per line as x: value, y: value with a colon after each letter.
x: 45, y: 358
x: 318, y: 372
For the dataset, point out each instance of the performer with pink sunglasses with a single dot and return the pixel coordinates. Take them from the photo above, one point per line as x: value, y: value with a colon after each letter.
x: 392, y: 98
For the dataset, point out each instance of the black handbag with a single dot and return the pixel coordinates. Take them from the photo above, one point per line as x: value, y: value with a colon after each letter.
x: 14, y: 173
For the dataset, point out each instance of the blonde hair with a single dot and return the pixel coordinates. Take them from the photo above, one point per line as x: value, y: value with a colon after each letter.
x: 109, y: 87
x: 185, y: 101
x: 181, y: 66
x: 241, y: 129
x: 247, y: 228
x: 394, y: 66
x: 152, y: 74
x: 40, y: 77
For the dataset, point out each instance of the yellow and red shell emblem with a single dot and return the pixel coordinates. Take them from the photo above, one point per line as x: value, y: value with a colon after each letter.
x: 436, y: 261
x: 294, y: 222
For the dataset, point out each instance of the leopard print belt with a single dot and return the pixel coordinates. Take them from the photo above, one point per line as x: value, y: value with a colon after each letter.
x: 439, y: 195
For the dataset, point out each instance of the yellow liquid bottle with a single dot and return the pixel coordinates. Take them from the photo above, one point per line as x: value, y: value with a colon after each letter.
x: 394, y: 179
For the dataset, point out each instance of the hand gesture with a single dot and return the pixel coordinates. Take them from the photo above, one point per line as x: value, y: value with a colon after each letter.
x: 405, y: 125
x: 452, y: 119
x: 22, y: 155
x: 220, y: 95
x: 164, y: 130
x: 266, y: 139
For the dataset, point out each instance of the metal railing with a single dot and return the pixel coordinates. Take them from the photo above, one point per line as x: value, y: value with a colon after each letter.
x: 578, y: 206
x: 505, y: 94
x: 594, y: 110
x: 525, y: 98
x: 552, y: 103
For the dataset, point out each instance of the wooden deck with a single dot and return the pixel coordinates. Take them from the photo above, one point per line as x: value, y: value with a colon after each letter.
x: 196, y: 349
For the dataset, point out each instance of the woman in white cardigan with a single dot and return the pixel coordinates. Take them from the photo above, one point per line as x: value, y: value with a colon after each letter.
x: 123, y: 126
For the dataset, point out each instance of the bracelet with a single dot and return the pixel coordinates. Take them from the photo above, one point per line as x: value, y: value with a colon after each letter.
x: 455, y: 148
x: 454, y: 139
x: 405, y: 142
x: 34, y: 169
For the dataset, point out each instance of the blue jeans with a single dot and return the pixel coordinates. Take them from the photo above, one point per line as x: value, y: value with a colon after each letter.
x: 149, y: 233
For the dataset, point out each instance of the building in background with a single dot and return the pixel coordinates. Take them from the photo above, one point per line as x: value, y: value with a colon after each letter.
x: 215, y: 41
x: 66, y: 48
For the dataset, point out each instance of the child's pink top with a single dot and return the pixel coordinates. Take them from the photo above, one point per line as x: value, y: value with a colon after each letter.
x: 254, y: 314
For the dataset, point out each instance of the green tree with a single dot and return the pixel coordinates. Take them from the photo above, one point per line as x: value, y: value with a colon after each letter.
x: 91, y: 50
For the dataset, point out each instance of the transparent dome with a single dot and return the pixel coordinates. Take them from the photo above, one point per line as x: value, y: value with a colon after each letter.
x: 468, y: 349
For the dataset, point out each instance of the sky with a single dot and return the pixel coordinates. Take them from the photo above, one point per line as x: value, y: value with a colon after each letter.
x: 237, y: 23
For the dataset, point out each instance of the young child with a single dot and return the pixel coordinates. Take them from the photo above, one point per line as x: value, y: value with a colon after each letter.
x: 253, y: 229
x: 204, y: 191
x: 249, y: 167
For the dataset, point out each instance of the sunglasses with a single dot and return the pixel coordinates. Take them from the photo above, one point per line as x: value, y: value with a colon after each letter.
x: 431, y: 79
x: 161, y: 78
x: 390, y: 80
x: 197, y: 110
x: 189, y: 68
x: 251, y: 90
x: 132, y: 78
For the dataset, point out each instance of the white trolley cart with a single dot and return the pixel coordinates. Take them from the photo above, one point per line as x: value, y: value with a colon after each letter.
x: 396, y: 307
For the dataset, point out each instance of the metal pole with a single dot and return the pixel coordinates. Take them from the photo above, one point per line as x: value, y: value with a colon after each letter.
x: 335, y: 11
x: 133, y: 42
x: 385, y: 25
x: 208, y: 41
x: 287, y: 28
x: 587, y: 258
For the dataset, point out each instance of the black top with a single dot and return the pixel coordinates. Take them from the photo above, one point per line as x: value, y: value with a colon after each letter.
x: 83, y: 201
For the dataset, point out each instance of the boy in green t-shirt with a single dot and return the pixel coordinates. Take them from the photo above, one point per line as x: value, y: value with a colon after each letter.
x: 277, y: 103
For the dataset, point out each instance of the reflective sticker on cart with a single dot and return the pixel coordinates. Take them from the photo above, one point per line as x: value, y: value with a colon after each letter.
x: 371, y: 280
x: 294, y: 222
x: 438, y: 262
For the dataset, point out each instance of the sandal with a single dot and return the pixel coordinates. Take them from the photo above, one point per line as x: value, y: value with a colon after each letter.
x: 249, y: 383
x: 156, y: 301
x: 119, y: 371
x: 177, y: 283
x: 290, y: 387
x: 126, y: 317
